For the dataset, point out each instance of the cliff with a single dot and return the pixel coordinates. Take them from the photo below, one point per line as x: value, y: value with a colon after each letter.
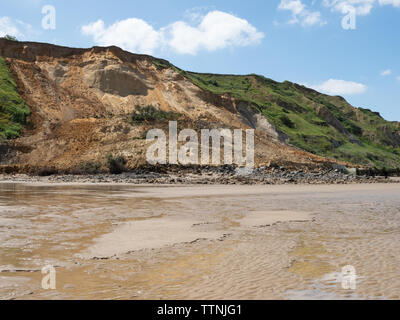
x: 77, y: 106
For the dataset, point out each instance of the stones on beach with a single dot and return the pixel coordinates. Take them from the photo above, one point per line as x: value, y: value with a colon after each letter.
x: 225, y: 174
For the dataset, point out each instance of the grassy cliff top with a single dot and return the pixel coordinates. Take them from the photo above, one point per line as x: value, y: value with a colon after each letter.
x: 315, y: 122
x: 13, y: 109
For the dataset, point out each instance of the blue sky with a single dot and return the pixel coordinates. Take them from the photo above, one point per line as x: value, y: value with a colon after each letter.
x: 304, y: 41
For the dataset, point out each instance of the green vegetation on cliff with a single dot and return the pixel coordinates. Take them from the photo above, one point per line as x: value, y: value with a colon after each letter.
x: 13, y: 109
x: 315, y: 122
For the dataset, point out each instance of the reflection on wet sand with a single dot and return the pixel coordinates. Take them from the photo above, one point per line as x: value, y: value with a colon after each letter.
x: 211, y: 242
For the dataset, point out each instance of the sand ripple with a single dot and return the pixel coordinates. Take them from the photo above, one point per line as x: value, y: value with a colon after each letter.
x: 240, y: 242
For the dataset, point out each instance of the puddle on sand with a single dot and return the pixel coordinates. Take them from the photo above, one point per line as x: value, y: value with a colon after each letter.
x: 132, y: 242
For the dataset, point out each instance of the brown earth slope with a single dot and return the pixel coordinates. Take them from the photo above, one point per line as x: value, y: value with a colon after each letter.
x: 81, y: 101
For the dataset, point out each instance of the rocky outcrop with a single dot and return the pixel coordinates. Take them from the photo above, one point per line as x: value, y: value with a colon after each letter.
x: 8, y: 154
x: 325, y: 114
x: 393, y: 137
x: 250, y: 115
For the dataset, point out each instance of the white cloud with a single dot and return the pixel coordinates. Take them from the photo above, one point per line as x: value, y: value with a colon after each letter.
x: 362, y: 7
x: 216, y: 30
x: 394, y: 3
x: 8, y: 27
x: 339, y: 87
x: 398, y: 78
x: 300, y: 13
x: 131, y: 34
x: 387, y: 72
x: 16, y: 28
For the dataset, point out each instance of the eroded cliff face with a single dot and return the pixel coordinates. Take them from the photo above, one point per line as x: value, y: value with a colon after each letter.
x: 81, y: 101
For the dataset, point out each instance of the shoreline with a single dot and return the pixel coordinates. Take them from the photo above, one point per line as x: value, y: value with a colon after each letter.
x: 213, y: 176
x: 181, y: 191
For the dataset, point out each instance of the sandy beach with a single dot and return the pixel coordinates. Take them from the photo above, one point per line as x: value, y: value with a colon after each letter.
x: 112, y: 241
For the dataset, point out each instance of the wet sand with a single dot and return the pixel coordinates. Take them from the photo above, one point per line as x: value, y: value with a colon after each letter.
x: 199, y: 242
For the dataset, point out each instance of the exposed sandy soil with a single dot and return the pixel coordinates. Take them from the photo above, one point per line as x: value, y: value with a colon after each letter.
x: 81, y: 100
